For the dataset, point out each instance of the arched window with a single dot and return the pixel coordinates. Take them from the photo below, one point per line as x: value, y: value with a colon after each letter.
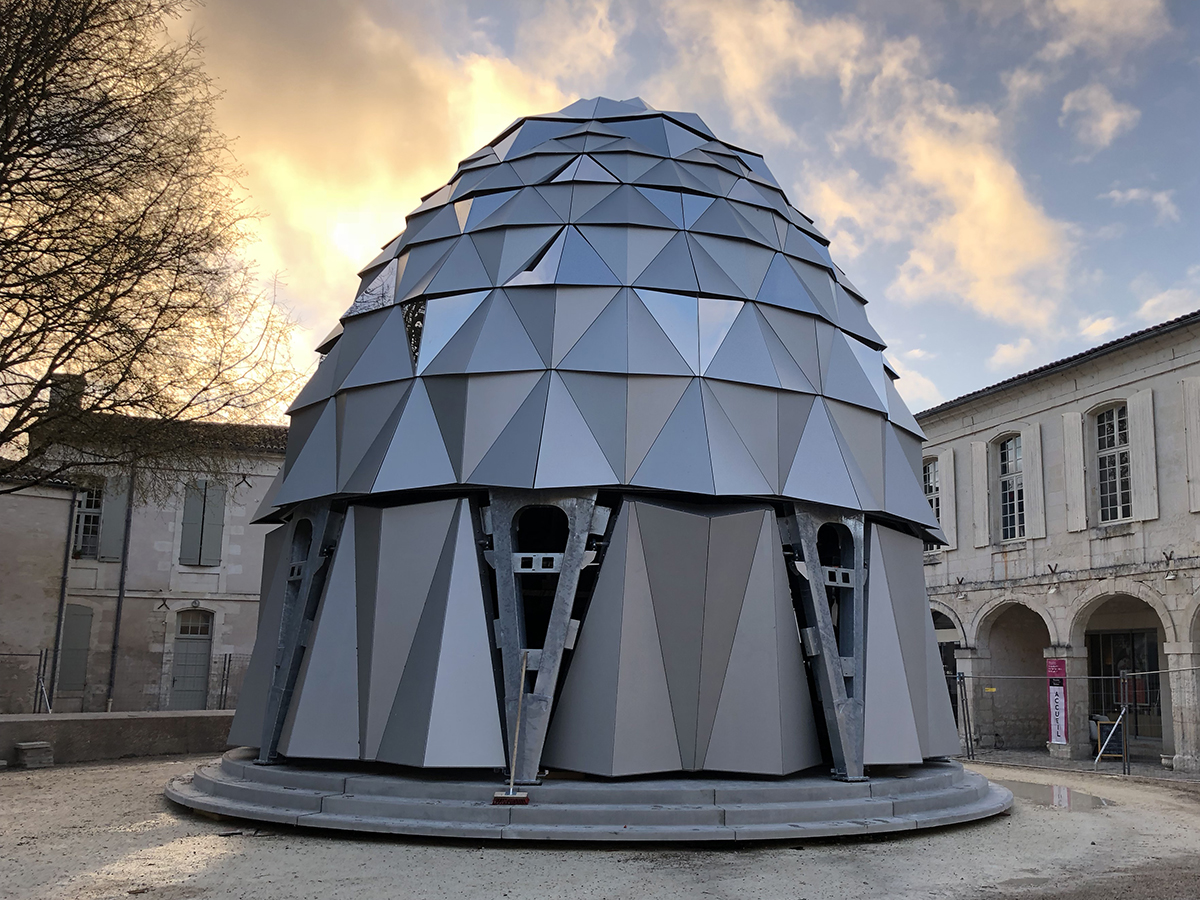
x: 1114, y: 480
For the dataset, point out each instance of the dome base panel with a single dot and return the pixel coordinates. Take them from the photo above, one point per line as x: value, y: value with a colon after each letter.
x: 570, y: 808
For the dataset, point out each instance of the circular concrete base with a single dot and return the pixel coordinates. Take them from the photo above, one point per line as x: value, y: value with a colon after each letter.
x: 572, y: 808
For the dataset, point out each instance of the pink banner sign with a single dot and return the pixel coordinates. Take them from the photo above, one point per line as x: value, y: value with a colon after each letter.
x: 1056, y: 699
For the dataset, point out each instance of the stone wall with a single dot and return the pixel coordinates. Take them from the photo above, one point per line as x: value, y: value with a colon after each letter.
x: 86, y: 737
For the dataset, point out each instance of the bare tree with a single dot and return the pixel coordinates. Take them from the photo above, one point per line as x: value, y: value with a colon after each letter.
x: 128, y: 317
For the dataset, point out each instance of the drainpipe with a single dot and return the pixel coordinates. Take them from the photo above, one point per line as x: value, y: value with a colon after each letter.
x: 116, y: 638
x: 62, y: 592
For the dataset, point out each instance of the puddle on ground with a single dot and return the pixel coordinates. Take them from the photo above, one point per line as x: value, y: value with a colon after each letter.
x: 1054, y: 795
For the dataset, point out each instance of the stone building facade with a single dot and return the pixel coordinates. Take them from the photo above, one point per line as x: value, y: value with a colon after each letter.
x: 1070, y: 500
x: 190, y: 605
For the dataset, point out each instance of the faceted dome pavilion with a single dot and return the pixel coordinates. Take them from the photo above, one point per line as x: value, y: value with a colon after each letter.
x: 603, y: 472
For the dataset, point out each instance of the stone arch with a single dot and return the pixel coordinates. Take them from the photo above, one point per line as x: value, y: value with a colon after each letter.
x: 1101, y: 592
x: 952, y: 614
x: 1191, y: 620
x: 985, y: 617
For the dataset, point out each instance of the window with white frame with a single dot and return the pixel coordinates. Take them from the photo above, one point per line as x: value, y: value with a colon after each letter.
x: 1012, y: 489
x: 88, y: 505
x: 932, y: 487
x: 1112, y: 464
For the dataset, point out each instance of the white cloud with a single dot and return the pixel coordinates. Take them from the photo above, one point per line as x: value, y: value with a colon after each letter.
x: 1096, y: 327
x: 1163, y: 202
x: 1008, y: 357
x: 1096, y: 116
x: 917, y: 353
x: 1161, y: 305
x: 917, y: 390
x: 1103, y: 29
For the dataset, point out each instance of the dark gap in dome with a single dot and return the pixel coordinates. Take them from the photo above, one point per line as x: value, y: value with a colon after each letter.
x: 414, y: 324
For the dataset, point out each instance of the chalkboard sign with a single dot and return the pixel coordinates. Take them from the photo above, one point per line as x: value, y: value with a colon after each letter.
x: 1113, y: 750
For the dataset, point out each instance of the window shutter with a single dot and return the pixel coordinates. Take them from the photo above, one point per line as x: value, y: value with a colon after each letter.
x: 193, y: 524
x: 112, y: 518
x: 1073, y: 471
x: 1141, y: 455
x: 1035, y: 495
x: 214, y: 524
x: 1191, y: 432
x: 979, y: 492
x: 949, y: 521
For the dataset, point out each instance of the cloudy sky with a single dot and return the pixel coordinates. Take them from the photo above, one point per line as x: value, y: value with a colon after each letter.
x: 1008, y: 181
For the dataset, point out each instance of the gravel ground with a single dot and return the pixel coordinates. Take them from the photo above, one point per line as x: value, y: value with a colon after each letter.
x: 105, y: 831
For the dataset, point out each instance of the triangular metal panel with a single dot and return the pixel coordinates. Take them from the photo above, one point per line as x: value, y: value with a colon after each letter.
x: 380, y: 292
x: 386, y: 358
x: 421, y: 264
x: 432, y: 226
x: 411, y: 541
x: 482, y: 207
x: 871, y: 362
x: 754, y: 414
x: 360, y: 413
x: 512, y: 461
x: 320, y: 387
x: 731, y: 544
x: 820, y: 285
x: 648, y: 132
x: 798, y: 244
x: 861, y: 436
x: 889, y: 728
x: 681, y: 140
x: 675, y: 544
x: 583, y: 729
x: 743, y: 354
x: 669, y: 173
x: 624, y: 207
x: 531, y: 263
x: 672, y: 269
x: 679, y: 459
x: 715, y: 317
x: 645, y: 735
x: 443, y: 318
x: 526, y: 208
x: 492, y: 401
x: 503, y: 345
x: 735, y: 470
x: 602, y: 401
x: 559, y: 198
x: 853, y: 314
x: 818, y: 473
x: 651, y: 351
x: 575, y: 309
x: 669, y: 203
x: 453, y: 357
x: 585, y: 197
x: 417, y: 456
x: 367, y: 532
x: 464, y: 722
x: 745, y: 263
x: 678, y: 317
x: 361, y: 478
x: 406, y: 729
x: 626, y: 250
x: 783, y: 287
x: 694, y: 206
x: 898, y: 412
x: 844, y: 379
x: 715, y: 178
x: 322, y: 721
x: 942, y: 731
x: 448, y: 397
x: 626, y: 159
x: 651, y: 401
x: 794, y: 410
x: 719, y: 219
x: 580, y: 264
x: 590, y: 170
x: 759, y: 224
x: 791, y: 376
x: 500, y: 178
x: 604, y: 346
x: 356, y: 337
x: 580, y: 109
x: 462, y: 271
x: 537, y: 168
x: 534, y: 306
x: 746, y: 733
x: 314, y: 472
x: 713, y: 279
x: 904, y: 496
x: 570, y: 455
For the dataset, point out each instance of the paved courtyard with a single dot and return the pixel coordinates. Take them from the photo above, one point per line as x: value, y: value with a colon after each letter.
x: 105, y: 831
